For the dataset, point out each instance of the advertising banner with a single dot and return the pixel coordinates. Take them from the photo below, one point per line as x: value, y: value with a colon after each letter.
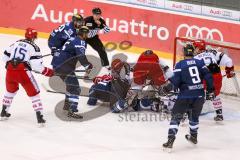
x: 144, y: 28
x: 150, y: 3
x: 183, y: 7
x: 222, y: 13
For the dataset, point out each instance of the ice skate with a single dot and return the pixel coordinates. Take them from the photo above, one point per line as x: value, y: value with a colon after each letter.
x: 192, y: 138
x: 218, y: 118
x: 4, y: 114
x: 169, y: 145
x: 40, y: 120
x: 74, y: 115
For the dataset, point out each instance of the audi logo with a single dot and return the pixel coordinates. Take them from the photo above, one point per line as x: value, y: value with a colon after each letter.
x: 198, y: 32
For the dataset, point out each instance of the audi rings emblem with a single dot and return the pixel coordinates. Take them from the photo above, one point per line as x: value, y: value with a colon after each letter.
x: 199, y: 32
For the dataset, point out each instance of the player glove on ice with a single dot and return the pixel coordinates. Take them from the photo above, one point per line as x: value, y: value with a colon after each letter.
x: 229, y: 71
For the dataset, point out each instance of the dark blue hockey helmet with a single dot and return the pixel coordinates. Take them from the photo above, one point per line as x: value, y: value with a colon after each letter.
x: 78, y: 20
x: 188, y: 50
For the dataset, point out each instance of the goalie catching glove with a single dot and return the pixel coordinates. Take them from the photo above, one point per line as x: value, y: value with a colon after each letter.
x: 230, y: 72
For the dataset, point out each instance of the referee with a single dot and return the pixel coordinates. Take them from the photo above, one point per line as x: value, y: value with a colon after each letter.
x: 96, y: 23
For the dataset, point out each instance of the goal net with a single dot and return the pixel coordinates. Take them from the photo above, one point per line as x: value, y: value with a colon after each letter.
x: 230, y: 86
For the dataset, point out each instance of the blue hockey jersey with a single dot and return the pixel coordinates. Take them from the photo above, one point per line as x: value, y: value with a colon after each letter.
x: 72, y: 52
x: 59, y: 36
x: 188, y: 77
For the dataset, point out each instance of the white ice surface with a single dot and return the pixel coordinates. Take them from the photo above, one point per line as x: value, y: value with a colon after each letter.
x: 106, y: 137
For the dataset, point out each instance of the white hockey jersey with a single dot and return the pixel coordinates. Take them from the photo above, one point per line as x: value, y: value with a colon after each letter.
x: 215, y: 57
x: 27, y: 52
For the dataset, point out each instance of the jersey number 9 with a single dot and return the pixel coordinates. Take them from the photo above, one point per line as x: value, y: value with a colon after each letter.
x: 194, y: 73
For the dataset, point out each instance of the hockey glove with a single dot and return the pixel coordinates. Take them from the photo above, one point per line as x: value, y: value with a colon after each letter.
x: 104, y: 78
x: 55, y: 51
x: 230, y: 72
x: 210, y: 95
x: 48, y: 72
x: 168, y: 87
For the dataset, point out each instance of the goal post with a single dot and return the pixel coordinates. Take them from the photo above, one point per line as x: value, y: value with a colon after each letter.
x: 230, y: 86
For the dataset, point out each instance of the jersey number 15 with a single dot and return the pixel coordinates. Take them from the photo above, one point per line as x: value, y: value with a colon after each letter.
x: 19, y: 53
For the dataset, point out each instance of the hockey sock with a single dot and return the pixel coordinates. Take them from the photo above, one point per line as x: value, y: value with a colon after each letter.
x: 173, y: 129
x: 193, y: 126
x: 67, y: 96
x: 8, y: 98
x: 36, y: 103
x: 217, y: 104
x: 73, y: 100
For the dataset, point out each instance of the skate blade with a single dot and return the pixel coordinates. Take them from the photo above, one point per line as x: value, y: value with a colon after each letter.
x: 4, y: 118
x: 193, y: 144
x: 41, y: 125
x: 168, y: 150
x: 219, y: 122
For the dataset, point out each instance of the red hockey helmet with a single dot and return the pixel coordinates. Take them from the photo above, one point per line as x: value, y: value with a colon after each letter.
x: 117, y: 65
x: 200, y: 44
x: 30, y: 34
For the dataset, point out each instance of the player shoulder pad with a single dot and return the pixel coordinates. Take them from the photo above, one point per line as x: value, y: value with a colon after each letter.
x: 213, y: 51
x: 36, y: 48
x: 67, y: 24
x: 88, y: 19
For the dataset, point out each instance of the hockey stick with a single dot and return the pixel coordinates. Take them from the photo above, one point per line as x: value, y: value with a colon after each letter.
x: 78, y: 77
x: 58, y: 92
x: 166, y: 94
x: 80, y: 71
x: 46, y: 55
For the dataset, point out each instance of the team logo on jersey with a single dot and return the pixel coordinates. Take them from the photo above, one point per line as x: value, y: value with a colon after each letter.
x: 184, y: 30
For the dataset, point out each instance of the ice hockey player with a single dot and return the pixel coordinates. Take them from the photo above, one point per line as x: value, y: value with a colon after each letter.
x: 59, y: 36
x: 149, y: 70
x: 64, y: 64
x: 188, y: 78
x: 96, y: 23
x: 111, y: 88
x: 213, y: 60
x: 20, y: 58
